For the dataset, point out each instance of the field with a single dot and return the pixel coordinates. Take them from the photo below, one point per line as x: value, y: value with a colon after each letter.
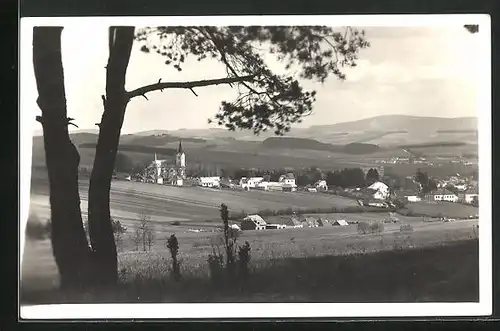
x: 442, y: 209
x: 436, y: 261
x: 189, y: 205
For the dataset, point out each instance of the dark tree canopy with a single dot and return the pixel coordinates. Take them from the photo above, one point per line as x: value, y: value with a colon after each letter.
x: 427, y: 184
x: 372, y: 175
x: 349, y: 177
x: 265, y: 99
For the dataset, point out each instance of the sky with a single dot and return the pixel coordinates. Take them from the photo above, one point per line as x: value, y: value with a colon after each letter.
x: 421, y: 71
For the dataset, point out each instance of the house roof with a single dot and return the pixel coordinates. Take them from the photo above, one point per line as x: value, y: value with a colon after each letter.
x: 472, y: 190
x: 289, y: 175
x: 288, y: 220
x: 209, y: 179
x: 405, y: 193
x: 443, y: 191
x: 378, y: 186
x: 256, y: 219
x: 341, y: 222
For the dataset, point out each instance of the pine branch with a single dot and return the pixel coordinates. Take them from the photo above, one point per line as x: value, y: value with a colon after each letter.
x: 141, y: 91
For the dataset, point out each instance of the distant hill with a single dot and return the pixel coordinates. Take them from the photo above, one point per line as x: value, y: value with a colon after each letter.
x: 137, y: 149
x: 382, y: 135
x: 386, y: 130
x: 157, y: 140
x: 311, y: 144
x: 405, y: 123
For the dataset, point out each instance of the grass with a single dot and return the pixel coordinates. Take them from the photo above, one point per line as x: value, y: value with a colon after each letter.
x: 294, y: 265
x: 448, y: 272
x: 440, y: 208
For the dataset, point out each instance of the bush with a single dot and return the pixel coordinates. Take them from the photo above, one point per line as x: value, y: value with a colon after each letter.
x: 173, y: 246
x: 244, y: 259
x: 144, y: 233
x: 377, y: 227
x: 363, y: 227
x: 216, y: 266
x: 176, y: 223
x: 405, y: 228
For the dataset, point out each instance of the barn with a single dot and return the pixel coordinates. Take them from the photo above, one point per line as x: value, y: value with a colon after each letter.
x: 290, y: 221
x: 253, y: 222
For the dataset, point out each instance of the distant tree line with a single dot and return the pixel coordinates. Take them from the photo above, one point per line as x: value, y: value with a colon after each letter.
x: 348, y: 177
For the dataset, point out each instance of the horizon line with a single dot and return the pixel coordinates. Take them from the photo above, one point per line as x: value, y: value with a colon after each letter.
x: 39, y: 132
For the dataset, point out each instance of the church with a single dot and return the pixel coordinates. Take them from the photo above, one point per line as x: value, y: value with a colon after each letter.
x: 163, y: 173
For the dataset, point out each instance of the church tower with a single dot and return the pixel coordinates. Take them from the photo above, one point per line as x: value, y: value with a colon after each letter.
x: 180, y: 163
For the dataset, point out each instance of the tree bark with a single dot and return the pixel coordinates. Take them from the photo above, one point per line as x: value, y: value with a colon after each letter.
x: 115, y: 102
x: 69, y: 243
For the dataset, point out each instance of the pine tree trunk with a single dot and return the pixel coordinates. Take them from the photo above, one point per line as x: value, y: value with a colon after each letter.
x: 69, y: 243
x: 115, y: 103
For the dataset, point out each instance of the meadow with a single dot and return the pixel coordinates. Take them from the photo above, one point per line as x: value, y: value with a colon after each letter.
x: 188, y: 205
x: 436, y: 261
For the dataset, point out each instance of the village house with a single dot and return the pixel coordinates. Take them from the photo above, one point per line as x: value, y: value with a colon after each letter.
x: 285, y: 183
x: 409, y: 196
x: 288, y: 182
x: 290, y: 221
x: 321, y: 185
x: 253, y: 222
x: 252, y: 182
x: 378, y: 191
x: 209, y: 182
x: 442, y: 195
x: 468, y: 195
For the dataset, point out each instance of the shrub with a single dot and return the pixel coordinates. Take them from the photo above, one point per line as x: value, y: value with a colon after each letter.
x: 244, y: 258
x: 118, y: 231
x: 176, y: 223
x: 173, y: 246
x: 377, y: 227
x: 230, y: 236
x: 216, y: 266
x: 405, y: 228
x: 363, y: 227
x: 144, y: 233
x: 136, y: 238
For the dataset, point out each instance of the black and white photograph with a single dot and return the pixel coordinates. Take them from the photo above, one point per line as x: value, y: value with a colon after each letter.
x: 255, y: 166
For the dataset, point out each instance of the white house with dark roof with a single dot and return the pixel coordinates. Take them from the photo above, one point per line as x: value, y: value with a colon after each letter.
x: 469, y: 195
x: 442, y: 195
x: 209, y: 182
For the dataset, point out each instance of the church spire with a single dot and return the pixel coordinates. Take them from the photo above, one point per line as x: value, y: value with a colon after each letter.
x: 180, y: 151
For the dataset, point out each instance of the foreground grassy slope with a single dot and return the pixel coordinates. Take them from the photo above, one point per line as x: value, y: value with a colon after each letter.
x: 442, y: 273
